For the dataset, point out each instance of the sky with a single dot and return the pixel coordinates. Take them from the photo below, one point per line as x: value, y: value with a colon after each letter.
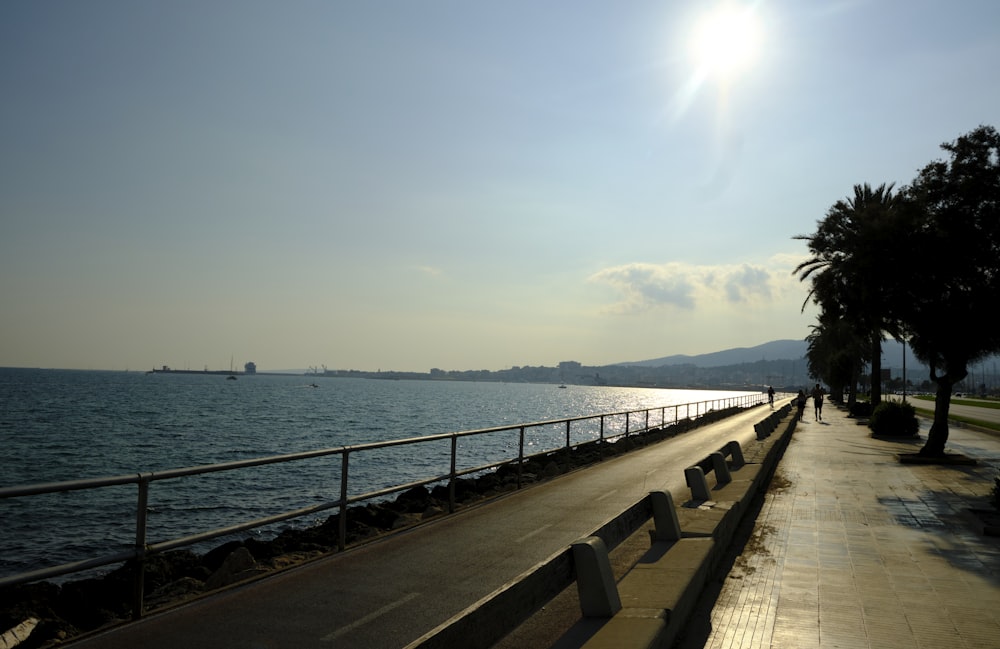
x: 403, y: 185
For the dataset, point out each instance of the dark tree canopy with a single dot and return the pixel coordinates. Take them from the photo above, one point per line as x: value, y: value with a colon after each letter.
x: 922, y: 265
x: 852, y: 265
x: 955, y: 285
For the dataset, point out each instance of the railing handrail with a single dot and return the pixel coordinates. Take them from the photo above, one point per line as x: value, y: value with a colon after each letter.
x: 144, y: 479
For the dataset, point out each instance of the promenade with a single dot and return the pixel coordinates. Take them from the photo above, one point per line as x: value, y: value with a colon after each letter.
x: 852, y: 549
x: 390, y: 592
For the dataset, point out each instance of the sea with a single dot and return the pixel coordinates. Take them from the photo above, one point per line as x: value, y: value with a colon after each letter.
x: 59, y: 425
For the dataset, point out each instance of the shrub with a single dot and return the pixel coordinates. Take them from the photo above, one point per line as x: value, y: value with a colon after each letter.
x: 861, y: 409
x: 894, y: 419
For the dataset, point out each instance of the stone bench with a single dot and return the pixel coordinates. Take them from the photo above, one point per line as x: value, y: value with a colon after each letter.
x: 650, y: 604
x: 770, y: 424
x: 648, y: 607
x: 733, y: 477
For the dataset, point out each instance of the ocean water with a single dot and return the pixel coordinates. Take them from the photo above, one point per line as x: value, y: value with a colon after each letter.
x: 58, y: 425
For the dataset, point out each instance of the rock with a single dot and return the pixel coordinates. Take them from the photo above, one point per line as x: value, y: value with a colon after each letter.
x: 294, y: 559
x: 239, y: 565
x: 405, y: 520
x: 413, y: 500
x: 174, y: 591
x: 13, y: 637
x: 432, y: 511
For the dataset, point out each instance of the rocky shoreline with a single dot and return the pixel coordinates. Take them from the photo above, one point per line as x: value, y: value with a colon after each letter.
x: 43, y: 614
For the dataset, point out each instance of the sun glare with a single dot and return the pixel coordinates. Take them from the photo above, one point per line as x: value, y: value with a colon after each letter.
x: 726, y: 41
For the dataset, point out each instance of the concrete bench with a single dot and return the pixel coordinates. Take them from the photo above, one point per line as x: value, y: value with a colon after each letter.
x: 770, y: 424
x: 648, y: 607
x: 650, y: 604
x: 723, y: 470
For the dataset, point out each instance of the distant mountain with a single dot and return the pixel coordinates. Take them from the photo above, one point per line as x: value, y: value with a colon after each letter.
x: 892, y: 356
x: 774, y: 350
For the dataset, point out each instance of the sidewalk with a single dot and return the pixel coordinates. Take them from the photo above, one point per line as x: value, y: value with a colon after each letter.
x: 853, y: 549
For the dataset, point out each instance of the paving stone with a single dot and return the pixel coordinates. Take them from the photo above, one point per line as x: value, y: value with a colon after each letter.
x: 860, y: 551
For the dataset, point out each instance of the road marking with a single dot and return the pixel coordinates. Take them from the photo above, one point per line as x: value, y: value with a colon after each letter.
x: 606, y: 494
x: 368, y: 618
x: 531, y: 534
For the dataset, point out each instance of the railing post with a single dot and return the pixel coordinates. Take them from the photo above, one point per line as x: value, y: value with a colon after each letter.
x: 342, y: 523
x: 647, y: 420
x: 451, y: 479
x: 567, y: 434
x: 626, y: 423
x: 520, y: 458
x: 601, y: 437
x: 141, y: 517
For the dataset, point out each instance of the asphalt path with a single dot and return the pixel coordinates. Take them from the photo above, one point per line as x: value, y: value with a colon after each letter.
x: 387, y: 593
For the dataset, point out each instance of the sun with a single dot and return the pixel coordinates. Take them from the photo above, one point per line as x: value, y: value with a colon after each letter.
x: 726, y: 41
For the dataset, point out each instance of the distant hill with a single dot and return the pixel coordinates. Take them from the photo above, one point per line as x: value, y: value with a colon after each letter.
x: 892, y: 356
x: 774, y: 350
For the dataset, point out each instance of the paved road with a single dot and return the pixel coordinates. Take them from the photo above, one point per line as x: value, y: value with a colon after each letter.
x: 390, y: 592
x: 973, y: 412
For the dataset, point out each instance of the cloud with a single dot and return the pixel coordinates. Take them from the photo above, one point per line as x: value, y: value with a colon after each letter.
x: 644, y: 287
x: 647, y: 285
x: 432, y: 271
x: 746, y: 283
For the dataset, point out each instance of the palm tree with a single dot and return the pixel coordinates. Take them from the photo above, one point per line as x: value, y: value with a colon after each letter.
x: 836, y: 355
x: 853, y: 264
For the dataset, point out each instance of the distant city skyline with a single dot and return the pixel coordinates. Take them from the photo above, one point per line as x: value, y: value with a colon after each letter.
x: 457, y: 185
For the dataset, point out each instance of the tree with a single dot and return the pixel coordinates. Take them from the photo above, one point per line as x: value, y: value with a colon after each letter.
x: 852, y: 265
x: 836, y: 355
x: 955, y: 241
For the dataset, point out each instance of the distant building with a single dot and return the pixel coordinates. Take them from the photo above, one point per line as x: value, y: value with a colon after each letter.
x: 250, y: 368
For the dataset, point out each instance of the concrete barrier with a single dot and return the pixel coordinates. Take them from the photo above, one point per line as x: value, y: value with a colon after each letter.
x: 648, y: 607
x: 657, y: 595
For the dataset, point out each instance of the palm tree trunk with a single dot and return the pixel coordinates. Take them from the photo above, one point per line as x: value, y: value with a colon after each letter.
x: 852, y: 397
x: 938, y: 436
x: 876, y: 371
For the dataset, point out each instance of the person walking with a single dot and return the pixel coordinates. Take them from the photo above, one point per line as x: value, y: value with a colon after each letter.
x: 817, y: 395
x: 800, y: 403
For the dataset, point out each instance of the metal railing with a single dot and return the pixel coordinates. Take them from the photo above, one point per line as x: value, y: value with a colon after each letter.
x: 628, y: 423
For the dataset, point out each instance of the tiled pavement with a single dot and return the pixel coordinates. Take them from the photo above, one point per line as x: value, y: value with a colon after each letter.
x: 853, y: 549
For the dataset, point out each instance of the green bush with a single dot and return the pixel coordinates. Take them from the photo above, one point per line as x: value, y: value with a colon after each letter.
x: 894, y: 419
x: 861, y: 409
